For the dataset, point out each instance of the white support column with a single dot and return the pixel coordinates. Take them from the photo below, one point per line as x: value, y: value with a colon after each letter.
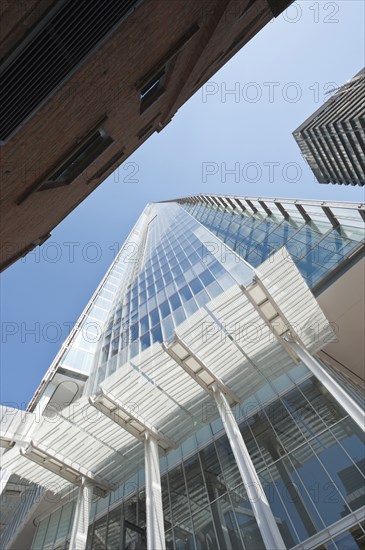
x: 4, y: 478
x: 140, y: 428
x: 334, y: 388
x: 260, y: 505
x: 81, y: 517
x: 44, y: 400
x: 154, y: 510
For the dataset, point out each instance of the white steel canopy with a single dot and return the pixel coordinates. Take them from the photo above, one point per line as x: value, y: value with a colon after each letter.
x: 129, y: 419
x: 230, y: 335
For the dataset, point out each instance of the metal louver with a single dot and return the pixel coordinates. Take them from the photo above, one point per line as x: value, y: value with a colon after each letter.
x: 51, y: 52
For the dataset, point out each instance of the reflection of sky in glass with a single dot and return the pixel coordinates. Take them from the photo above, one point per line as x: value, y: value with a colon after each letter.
x: 182, y: 258
x: 316, y: 247
x: 175, y: 271
x: 307, y: 454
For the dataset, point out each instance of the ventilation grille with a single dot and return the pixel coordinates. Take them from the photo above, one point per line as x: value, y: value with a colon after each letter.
x: 53, y: 51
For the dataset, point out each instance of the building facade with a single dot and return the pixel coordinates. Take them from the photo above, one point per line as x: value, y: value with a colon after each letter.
x: 220, y: 423
x: 332, y: 140
x: 85, y: 84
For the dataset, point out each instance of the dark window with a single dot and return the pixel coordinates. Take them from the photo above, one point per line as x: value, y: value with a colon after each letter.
x: 160, y: 284
x: 175, y: 301
x: 193, y: 257
x: 105, y: 353
x: 149, y: 129
x: 144, y: 324
x: 217, y: 269
x: 145, y: 341
x: 196, y: 286
x: 107, y: 166
x: 165, y: 309
x: 76, y: 163
x: 151, y: 291
x: 167, y: 278
x: 185, y: 264
x: 173, y: 262
x: 152, y: 90
x: 115, y: 346
x: 134, y: 317
x: 124, y: 338
x: 206, y: 277
x: 250, y: 3
x: 157, y: 334
x: 154, y: 317
x: 180, y: 281
x: 185, y: 294
x: 133, y: 332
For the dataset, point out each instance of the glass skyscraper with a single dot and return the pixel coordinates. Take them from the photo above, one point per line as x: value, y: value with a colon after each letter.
x: 203, y: 338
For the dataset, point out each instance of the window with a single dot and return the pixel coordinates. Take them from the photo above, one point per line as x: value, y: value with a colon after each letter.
x: 154, y: 317
x: 153, y: 90
x: 72, y: 165
x: 185, y: 294
x: 164, y: 309
x: 77, y: 162
x: 157, y: 334
x: 145, y: 341
x: 175, y: 301
x: 250, y: 3
x: 115, y: 343
x: 144, y: 324
x: 206, y: 277
x: 196, y: 286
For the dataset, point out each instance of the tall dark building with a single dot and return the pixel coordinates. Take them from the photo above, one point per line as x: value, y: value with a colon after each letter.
x: 332, y: 140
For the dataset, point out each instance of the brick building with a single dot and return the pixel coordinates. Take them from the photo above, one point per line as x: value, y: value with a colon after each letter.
x: 86, y: 83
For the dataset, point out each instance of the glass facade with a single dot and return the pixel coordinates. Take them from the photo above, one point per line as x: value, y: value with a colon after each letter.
x: 174, y: 275
x: 307, y: 451
x: 309, y: 456
x: 316, y: 246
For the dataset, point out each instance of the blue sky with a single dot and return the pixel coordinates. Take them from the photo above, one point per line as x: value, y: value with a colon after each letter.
x: 278, y: 79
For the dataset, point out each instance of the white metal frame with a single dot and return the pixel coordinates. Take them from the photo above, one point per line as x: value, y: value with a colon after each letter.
x: 256, y: 494
x: 333, y: 530
x: 195, y: 368
x: 63, y: 467
x: 80, y: 524
x: 132, y: 422
x: 128, y: 419
x: 154, y: 508
x: 334, y: 388
x: 5, y: 474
